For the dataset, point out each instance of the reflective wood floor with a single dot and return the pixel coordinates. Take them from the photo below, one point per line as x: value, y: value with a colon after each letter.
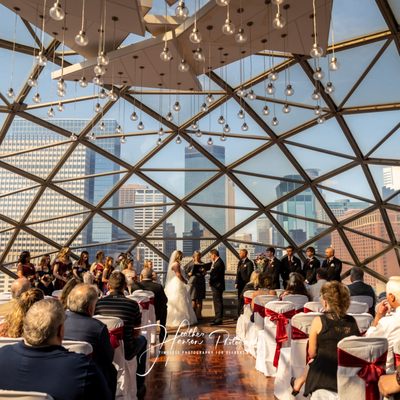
x: 203, y: 363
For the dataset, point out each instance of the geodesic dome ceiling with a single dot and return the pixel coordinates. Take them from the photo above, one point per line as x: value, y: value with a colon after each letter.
x: 97, y: 173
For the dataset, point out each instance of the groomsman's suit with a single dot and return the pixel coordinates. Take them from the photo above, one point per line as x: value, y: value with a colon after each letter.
x: 309, y: 270
x: 289, y: 265
x: 273, y: 268
x: 244, y: 270
x: 333, y: 268
x: 217, y: 284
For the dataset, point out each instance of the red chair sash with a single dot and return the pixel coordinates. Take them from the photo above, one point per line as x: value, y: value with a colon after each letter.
x: 151, y: 300
x: 116, y: 335
x: 297, y: 334
x: 259, y: 309
x: 145, y: 304
x: 247, y: 300
x: 281, y: 336
x: 370, y: 372
x: 307, y: 310
x: 396, y: 360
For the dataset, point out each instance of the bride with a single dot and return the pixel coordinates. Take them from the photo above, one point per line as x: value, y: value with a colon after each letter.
x: 180, y: 311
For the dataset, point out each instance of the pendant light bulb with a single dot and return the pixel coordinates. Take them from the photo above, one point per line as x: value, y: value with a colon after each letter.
x: 81, y: 39
x: 56, y: 12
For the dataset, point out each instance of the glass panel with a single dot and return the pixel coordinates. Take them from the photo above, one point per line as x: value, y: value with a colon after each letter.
x: 15, y: 205
x: 10, y: 182
x: 395, y: 6
x: 387, y: 179
x: 394, y: 218
x: 390, y: 148
x: 395, y: 200
x: 387, y: 266
x: 341, y: 251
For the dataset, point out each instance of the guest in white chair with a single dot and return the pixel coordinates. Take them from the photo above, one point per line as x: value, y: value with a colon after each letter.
x: 325, y: 333
x: 359, y: 288
x: 18, y: 287
x: 315, y: 289
x: 295, y: 285
x: 265, y: 287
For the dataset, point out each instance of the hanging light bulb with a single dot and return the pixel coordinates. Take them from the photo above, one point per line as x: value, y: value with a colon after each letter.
x: 222, y: 3
x: 286, y: 109
x: 221, y: 120
x: 83, y: 82
x: 159, y: 141
x: 56, y: 12
x: 227, y: 128
x: 241, y: 114
x: 241, y: 36
x: 289, y: 91
x: 279, y: 21
x: 102, y: 126
x: 228, y: 28
x: 134, y: 116
x: 177, y: 106
x: 161, y: 131
x: 316, y: 51
x: 266, y: 110
x: 102, y: 93
x: 317, y: 110
x: 222, y: 138
x: 315, y: 95
x: 251, y: 95
x: 140, y: 126
x: 198, y: 133
x: 118, y: 129
x: 165, y: 55
x: 318, y: 75
x: 10, y: 93
x: 51, y: 113
x: 241, y: 92
x: 178, y: 140
x: 181, y: 11
x: 209, y: 98
x: 270, y: 88
x: 169, y: 117
x: 275, y: 121
x: 278, y: 2
x: 112, y: 95
x: 183, y: 66
x: 195, y: 36
x: 203, y: 107
x: 41, y: 59
x: 273, y: 76
x: 61, y: 85
x: 36, y: 98
x: 244, y: 127
x: 81, y: 39
x: 60, y: 93
x: 32, y: 82
x: 334, y: 64
x: 97, y: 107
x: 92, y: 136
x: 190, y: 147
x: 123, y: 139
x: 60, y: 107
x: 73, y: 137
x: 99, y: 70
x: 198, y: 55
x: 97, y: 80
x: 210, y: 141
x: 321, y: 120
x: 102, y: 59
x: 329, y: 88
x: 194, y: 125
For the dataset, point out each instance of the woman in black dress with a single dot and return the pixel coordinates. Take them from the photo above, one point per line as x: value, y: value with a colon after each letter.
x: 197, y: 282
x: 326, y: 332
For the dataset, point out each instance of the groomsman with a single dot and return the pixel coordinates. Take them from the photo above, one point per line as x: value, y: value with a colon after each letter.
x: 290, y: 263
x: 272, y: 267
x: 244, y: 270
x: 332, y: 264
x: 310, y: 266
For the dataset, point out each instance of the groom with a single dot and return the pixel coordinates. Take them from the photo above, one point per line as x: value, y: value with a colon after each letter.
x: 217, y: 283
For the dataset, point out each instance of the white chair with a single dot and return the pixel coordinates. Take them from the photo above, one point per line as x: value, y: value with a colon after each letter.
x: 357, y: 308
x: 364, y: 321
x: 5, y: 341
x: 322, y: 394
x: 77, y: 346
x: 152, y: 313
x: 355, y: 355
x: 297, y: 299
x: 363, y: 299
x: 126, y: 386
x: 247, y: 297
x: 313, y: 306
x: 396, y: 354
x: 277, y: 314
x: 243, y: 322
x: 57, y: 293
x: 14, y: 394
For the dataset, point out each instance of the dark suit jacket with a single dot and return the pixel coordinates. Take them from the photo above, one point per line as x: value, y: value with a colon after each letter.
x: 359, y: 288
x: 334, y: 269
x: 309, y: 270
x: 217, y: 274
x: 287, y: 268
x: 244, y: 270
x: 273, y: 268
x: 160, y: 299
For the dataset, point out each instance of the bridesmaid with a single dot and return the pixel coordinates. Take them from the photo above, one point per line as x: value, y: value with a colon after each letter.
x: 62, y: 268
x: 197, y: 282
x: 97, y: 269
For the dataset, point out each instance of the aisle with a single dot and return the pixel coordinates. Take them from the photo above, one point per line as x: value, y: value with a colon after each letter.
x: 208, y: 370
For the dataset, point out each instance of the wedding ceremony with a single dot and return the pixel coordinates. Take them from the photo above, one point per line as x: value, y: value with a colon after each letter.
x: 200, y: 200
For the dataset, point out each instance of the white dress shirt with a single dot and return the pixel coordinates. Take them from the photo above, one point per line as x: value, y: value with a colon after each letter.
x: 315, y: 289
x: 389, y: 328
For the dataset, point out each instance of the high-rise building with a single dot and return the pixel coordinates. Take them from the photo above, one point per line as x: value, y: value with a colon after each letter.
x: 264, y: 233
x: 391, y: 177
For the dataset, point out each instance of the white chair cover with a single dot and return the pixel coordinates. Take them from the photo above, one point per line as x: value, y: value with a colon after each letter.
x: 243, y: 322
x: 322, y: 394
x: 364, y: 321
x: 152, y: 313
x: 56, y: 293
x: 266, y: 338
x: 279, y: 291
x: 14, y: 394
x: 77, y: 346
x: 363, y: 299
x: 396, y: 351
x: 297, y: 299
x: 126, y: 387
x: 313, y: 306
x: 357, y: 308
x: 5, y: 341
x: 248, y: 297
x: 350, y: 385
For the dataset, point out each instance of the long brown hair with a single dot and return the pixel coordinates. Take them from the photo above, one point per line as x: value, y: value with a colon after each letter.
x: 337, y: 296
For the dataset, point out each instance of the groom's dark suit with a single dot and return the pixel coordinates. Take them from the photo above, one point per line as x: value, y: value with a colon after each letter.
x: 217, y: 284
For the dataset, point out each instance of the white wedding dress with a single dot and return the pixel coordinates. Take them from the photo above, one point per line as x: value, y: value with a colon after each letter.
x: 180, y: 311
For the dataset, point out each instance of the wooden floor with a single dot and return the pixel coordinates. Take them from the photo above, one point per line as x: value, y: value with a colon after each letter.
x: 206, y: 365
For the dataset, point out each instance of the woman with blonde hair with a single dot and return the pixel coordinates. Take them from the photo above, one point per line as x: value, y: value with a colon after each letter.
x: 62, y: 268
x: 265, y: 285
x: 12, y: 326
x: 148, y: 264
x: 130, y: 277
x: 325, y: 333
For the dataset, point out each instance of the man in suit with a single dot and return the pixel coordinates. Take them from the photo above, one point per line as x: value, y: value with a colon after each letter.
x: 160, y: 299
x: 290, y: 263
x: 310, y: 267
x: 272, y: 267
x: 332, y: 264
x: 359, y: 288
x: 244, y: 270
x: 216, y: 269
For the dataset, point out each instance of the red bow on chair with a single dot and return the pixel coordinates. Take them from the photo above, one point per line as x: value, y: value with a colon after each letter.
x: 259, y: 309
x: 145, y: 304
x: 370, y: 372
x: 297, y: 334
x: 396, y: 360
x: 151, y: 300
x: 116, y: 335
x: 247, y: 300
x: 281, y: 336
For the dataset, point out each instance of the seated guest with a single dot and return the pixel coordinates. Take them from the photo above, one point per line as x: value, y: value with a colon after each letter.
x: 359, y: 288
x: 325, y: 333
x: 266, y: 286
x: 80, y: 325
x: 66, y: 291
x: 47, y: 366
x: 389, y: 385
x: 12, y: 326
x: 253, y: 283
x: 117, y: 305
x: 160, y: 299
x: 385, y: 325
x: 295, y: 285
x: 315, y: 290
x: 18, y: 287
x: 88, y: 277
x: 131, y: 277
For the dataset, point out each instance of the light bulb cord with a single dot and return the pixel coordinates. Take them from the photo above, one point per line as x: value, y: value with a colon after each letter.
x: 315, y: 23
x: 83, y: 16
x: 43, y: 24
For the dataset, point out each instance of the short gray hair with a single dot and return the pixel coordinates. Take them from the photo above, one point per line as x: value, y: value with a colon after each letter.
x: 81, y: 297
x: 42, y: 321
x: 19, y: 286
x: 357, y: 274
x: 146, y: 273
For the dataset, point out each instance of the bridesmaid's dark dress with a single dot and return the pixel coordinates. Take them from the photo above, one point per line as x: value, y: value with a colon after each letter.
x: 197, y: 282
x: 65, y: 270
x: 323, y: 370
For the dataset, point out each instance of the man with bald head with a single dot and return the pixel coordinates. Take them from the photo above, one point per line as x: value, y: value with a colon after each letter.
x: 18, y: 287
x: 332, y: 265
x: 80, y: 325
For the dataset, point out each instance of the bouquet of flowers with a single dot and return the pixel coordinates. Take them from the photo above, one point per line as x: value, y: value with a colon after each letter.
x: 260, y: 262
